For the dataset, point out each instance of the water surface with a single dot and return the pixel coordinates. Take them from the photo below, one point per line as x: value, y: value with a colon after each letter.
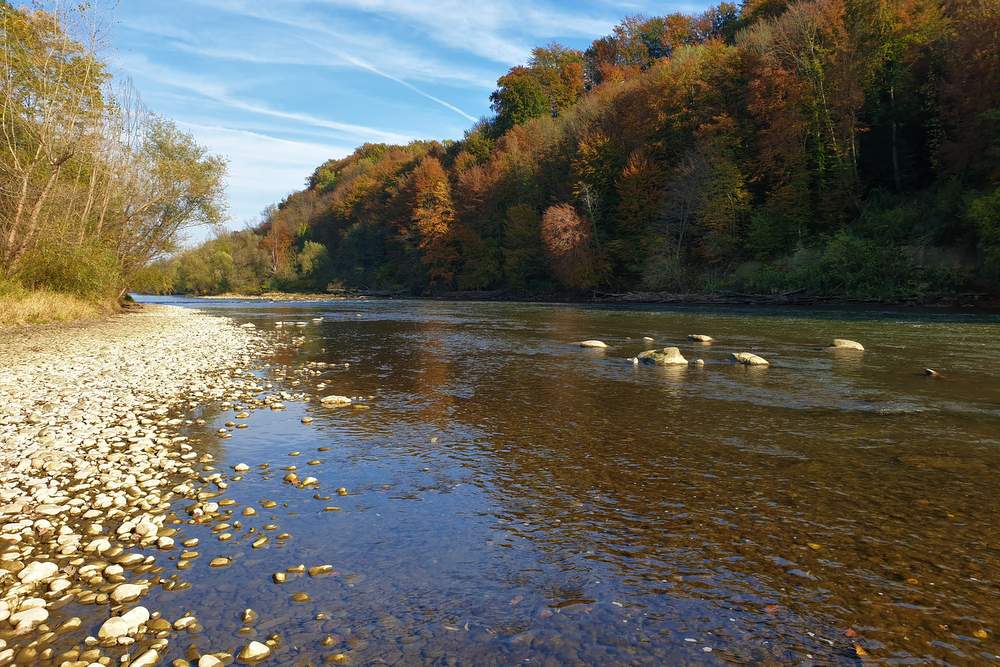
x: 514, y: 498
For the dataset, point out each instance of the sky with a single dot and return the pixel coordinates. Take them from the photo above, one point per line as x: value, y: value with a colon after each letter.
x: 280, y: 86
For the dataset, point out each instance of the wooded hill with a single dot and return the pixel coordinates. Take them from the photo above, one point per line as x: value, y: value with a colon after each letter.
x: 847, y: 147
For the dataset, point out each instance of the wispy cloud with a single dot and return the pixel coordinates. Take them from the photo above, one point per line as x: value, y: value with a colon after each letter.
x: 140, y: 66
x: 358, y: 62
x: 500, y: 31
x: 253, y: 181
x: 413, y: 65
x: 284, y: 48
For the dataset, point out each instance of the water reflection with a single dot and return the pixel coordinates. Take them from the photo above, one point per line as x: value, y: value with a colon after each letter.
x: 516, y: 498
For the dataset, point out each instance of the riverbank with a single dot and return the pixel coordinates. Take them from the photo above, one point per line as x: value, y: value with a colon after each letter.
x: 971, y: 301
x: 278, y: 296
x: 21, y: 307
x: 91, y: 458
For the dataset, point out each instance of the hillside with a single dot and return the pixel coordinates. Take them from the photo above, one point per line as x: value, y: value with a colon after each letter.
x: 839, y: 147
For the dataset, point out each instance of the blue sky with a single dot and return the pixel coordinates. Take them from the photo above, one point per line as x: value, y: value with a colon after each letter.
x: 279, y: 86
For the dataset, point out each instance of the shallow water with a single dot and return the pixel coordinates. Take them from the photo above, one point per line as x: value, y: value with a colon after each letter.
x: 514, y: 498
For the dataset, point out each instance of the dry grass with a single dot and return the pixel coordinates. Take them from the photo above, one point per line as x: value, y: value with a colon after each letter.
x: 20, y: 307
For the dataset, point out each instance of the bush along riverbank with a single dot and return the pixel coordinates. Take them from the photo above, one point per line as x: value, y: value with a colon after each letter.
x: 90, y: 462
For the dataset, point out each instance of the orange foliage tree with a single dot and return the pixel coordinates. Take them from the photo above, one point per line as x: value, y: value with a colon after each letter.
x: 434, y: 217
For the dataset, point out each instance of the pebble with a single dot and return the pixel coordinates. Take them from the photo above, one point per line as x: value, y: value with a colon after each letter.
x: 136, y: 616
x: 127, y: 593
x: 254, y: 652
x: 37, y: 571
x: 92, y: 458
x: 113, y: 628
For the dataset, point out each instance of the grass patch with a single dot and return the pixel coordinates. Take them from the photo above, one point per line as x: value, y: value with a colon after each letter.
x: 21, y: 307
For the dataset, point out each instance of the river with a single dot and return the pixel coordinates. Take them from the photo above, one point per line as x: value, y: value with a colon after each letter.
x: 514, y: 498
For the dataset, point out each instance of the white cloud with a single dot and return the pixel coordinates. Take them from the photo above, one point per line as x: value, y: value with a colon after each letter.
x: 262, y: 169
x: 141, y: 66
x: 503, y: 32
x: 285, y: 48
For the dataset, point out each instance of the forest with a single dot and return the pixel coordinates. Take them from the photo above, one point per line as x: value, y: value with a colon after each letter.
x: 835, y: 147
x: 93, y: 186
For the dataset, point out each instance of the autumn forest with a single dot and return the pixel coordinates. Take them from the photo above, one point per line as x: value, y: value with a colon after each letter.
x: 836, y: 147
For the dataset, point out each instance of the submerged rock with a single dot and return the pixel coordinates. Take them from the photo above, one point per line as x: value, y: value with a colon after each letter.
x: 668, y: 356
x: 255, y: 652
x: 593, y: 343
x: 127, y: 593
x: 147, y: 659
x: 749, y: 359
x: 844, y: 344
x: 335, y: 400
x: 700, y: 338
x: 114, y: 628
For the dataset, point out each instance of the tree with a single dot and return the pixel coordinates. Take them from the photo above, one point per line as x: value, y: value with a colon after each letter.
x: 971, y: 93
x: 807, y: 93
x: 519, y: 97
x: 277, y: 241
x: 52, y: 105
x: 181, y: 186
x: 569, y: 244
x: 559, y: 71
x: 524, y: 259
x: 639, y: 187
x: 86, y: 172
x: 434, y: 217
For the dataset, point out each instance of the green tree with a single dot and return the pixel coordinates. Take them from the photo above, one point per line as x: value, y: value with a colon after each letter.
x: 519, y: 97
x: 524, y: 256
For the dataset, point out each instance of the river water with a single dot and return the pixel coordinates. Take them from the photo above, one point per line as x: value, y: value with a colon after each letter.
x: 514, y: 498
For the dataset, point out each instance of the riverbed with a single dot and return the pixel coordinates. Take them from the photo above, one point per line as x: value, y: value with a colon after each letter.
x: 496, y: 494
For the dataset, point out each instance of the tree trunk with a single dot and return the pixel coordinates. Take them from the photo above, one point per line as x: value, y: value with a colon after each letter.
x: 36, y: 210
x: 896, y: 179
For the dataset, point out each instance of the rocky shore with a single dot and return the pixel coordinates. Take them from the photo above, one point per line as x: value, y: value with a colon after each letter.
x: 91, y: 458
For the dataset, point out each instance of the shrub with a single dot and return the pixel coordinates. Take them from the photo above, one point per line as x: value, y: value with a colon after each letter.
x: 770, y: 235
x: 664, y: 273
x: 984, y: 213
x: 88, y: 271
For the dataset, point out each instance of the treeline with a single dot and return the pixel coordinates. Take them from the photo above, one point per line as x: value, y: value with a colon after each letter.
x: 847, y: 147
x: 92, y: 185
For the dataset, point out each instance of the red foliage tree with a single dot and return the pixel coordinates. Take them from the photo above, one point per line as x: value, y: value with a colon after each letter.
x: 568, y: 241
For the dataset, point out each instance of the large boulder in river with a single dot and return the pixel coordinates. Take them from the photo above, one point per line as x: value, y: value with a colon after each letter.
x: 668, y: 356
x: 749, y: 359
x: 593, y: 343
x: 844, y: 344
x: 700, y: 338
